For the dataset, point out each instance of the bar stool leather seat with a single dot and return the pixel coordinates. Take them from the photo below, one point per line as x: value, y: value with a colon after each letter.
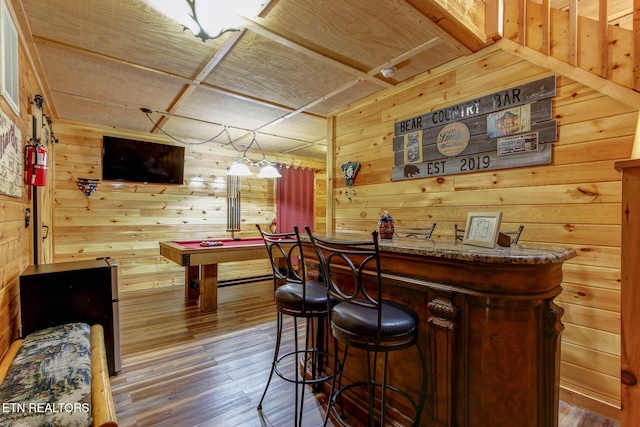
x: 290, y: 296
x: 397, y: 321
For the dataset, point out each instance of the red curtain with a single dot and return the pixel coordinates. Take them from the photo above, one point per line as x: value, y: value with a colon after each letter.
x: 295, y: 198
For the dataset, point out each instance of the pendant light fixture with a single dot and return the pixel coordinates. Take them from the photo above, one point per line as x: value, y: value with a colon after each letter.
x: 269, y: 171
x: 241, y: 166
x: 241, y: 169
x: 208, y: 19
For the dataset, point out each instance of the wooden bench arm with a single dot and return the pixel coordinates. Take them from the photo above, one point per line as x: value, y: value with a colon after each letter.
x: 103, y: 410
x: 8, y: 357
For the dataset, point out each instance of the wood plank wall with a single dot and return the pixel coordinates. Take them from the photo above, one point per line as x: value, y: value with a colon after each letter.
x: 15, y: 238
x: 127, y: 220
x: 573, y: 202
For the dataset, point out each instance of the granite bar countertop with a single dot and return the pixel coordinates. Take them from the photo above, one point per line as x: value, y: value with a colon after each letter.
x: 456, y: 250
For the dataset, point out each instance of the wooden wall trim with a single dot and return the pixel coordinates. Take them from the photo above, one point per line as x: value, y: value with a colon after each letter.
x: 331, y: 120
x: 636, y: 44
x: 595, y: 405
x: 635, y: 150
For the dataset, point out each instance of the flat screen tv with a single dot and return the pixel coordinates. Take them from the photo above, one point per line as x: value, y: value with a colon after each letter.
x: 141, y: 161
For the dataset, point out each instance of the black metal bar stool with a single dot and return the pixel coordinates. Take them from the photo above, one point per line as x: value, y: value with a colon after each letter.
x: 297, y: 297
x: 419, y: 233
x: 361, y: 318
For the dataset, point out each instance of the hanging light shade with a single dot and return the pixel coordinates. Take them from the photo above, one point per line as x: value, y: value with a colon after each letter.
x: 269, y: 171
x: 239, y: 169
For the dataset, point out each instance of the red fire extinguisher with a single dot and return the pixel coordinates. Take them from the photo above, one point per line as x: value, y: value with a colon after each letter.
x: 36, y: 165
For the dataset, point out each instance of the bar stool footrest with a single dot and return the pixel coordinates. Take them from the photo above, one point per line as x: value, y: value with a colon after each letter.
x: 365, y: 384
x: 314, y: 353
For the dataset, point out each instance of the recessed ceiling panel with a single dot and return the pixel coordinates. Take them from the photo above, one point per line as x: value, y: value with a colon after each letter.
x: 313, y: 151
x: 215, y: 107
x: 359, y: 31
x: 124, y: 29
x: 436, y: 55
x: 262, y: 68
x: 304, y: 127
x: 104, y: 80
x: 91, y: 111
x: 359, y: 91
x: 274, y: 144
x: 200, y: 133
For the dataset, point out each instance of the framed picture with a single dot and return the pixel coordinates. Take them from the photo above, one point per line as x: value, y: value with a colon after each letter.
x: 11, y: 157
x: 482, y: 229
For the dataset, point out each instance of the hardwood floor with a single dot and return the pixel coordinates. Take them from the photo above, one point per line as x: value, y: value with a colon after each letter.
x: 185, y: 368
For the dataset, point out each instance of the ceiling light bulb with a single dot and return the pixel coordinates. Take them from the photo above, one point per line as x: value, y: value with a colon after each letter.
x: 239, y: 169
x: 389, y: 72
x: 269, y: 171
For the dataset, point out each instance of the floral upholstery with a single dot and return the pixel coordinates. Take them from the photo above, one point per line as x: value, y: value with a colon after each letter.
x: 49, y: 381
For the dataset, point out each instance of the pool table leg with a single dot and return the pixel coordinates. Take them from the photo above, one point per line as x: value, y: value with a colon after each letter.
x: 191, y: 276
x: 209, y: 287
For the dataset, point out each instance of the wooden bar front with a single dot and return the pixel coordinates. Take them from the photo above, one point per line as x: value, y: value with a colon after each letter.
x: 488, y: 325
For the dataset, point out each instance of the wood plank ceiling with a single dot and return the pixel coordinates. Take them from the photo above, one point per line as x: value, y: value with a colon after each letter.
x: 280, y: 77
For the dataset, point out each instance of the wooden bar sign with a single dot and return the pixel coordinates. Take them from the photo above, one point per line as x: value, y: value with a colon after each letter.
x: 506, y: 129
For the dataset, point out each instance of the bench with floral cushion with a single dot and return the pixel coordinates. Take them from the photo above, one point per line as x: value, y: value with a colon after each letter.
x: 57, y: 377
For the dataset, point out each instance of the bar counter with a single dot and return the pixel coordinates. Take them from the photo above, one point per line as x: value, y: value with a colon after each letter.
x: 488, y: 325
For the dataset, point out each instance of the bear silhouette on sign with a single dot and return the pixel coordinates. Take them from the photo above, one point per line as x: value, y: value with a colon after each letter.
x: 410, y: 171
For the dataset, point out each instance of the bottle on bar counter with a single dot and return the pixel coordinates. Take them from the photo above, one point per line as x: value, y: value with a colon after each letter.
x: 385, y: 226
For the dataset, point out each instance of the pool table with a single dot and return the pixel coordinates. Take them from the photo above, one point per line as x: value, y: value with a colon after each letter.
x: 201, y: 263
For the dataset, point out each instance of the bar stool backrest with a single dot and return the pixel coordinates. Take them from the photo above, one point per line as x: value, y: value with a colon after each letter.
x: 515, y: 235
x: 420, y: 233
x: 285, y: 254
x: 345, y: 266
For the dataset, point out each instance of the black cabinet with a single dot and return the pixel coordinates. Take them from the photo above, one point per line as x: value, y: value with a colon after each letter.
x: 77, y: 291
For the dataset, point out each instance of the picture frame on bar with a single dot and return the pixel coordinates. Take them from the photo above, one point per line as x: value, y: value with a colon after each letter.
x: 482, y: 229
